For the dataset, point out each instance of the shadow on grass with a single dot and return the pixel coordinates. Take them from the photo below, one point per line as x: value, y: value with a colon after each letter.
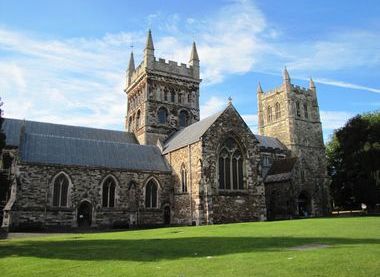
x: 159, y: 249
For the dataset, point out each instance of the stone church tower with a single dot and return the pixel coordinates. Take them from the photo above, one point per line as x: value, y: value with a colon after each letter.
x: 291, y: 114
x: 163, y: 97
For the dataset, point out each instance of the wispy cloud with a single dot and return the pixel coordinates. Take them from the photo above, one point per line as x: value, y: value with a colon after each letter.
x: 334, y: 119
x: 212, y: 105
x: 80, y: 80
x: 346, y: 85
x: 251, y: 120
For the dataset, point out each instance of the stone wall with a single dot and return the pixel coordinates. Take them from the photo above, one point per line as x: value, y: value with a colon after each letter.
x: 186, y: 203
x: 33, y: 205
x: 300, y: 129
x: 231, y: 206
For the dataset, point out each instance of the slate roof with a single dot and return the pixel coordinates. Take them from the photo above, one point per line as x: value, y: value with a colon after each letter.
x: 12, y: 128
x: 190, y: 134
x: 270, y: 142
x: 54, y: 144
x: 281, y: 170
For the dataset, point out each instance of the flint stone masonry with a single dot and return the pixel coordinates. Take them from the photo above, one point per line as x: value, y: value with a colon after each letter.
x: 34, y: 197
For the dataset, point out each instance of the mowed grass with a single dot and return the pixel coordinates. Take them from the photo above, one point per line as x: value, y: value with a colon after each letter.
x: 247, y: 249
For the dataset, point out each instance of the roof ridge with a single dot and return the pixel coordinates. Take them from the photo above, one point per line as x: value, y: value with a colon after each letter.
x: 66, y: 125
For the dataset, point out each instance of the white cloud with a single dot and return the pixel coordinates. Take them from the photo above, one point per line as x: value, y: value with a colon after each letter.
x: 252, y: 121
x: 346, y: 85
x: 80, y: 80
x: 229, y: 41
x: 211, y: 106
x: 334, y: 119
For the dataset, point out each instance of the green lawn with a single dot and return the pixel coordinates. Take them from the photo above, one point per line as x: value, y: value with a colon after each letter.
x: 246, y: 249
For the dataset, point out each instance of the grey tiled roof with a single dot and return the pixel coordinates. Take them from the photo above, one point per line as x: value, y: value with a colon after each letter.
x: 43, y: 149
x: 190, y: 134
x: 54, y: 144
x: 270, y: 142
x: 281, y: 170
x: 12, y: 128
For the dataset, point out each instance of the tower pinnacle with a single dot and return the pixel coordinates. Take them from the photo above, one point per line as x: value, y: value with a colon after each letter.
x: 286, y: 76
x: 311, y: 84
x: 131, y: 65
x: 149, y: 41
x: 194, y: 53
x: 259, y: 88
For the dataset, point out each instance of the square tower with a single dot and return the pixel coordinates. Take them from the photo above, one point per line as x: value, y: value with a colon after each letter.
x: 162, y: 97
x: 291, y: 114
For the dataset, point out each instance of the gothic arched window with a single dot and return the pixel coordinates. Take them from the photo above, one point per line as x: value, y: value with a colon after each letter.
x: 180, y: 98
x: 298, y: 109
x: 277, y: 110
x: 138, y: 119
x: 130, y: 124
x: 60, y: 190
x: 189, y: 98
x: 172, y: 96
x: 165, y: 95
x: 183, y: 118
x: 305, y: 110
x: 108, y: 192
x: 151, y: 194
x: 162, y: 115
x: 183, y: 178
x: 269, y: 115
x: 231, y: 175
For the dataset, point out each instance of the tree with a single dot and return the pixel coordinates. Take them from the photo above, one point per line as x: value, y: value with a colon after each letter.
x: 353, y: 156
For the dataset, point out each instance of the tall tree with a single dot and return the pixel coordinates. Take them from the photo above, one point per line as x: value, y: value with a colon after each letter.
x: 354, y: 162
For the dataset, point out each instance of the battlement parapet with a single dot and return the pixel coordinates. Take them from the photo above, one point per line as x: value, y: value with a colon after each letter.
x: 300, y: 89
x: 167, y: 66
x: 173, y: 67
x: 274, y: 90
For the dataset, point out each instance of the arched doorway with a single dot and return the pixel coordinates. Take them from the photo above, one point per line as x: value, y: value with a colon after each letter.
x: 304, y: 204
x: 84, y: 216
x: 167, y: 215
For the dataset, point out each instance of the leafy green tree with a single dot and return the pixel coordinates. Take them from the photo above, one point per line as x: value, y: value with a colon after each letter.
x: 354, y: 162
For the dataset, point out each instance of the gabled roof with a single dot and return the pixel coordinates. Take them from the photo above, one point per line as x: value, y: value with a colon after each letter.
x: 270, y: 142
x: 281, y: 170
x: 190, y: 134
x: 57, y: 150
x: 12, y: 129
x: 54, y: 144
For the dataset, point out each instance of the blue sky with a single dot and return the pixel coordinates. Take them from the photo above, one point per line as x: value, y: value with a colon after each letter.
x: 64, y: 61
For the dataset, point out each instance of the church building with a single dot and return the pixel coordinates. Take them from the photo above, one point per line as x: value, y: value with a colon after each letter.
x: 169, y: 167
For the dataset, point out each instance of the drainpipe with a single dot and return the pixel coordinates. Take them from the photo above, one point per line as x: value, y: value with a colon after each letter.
x: 191, y: 185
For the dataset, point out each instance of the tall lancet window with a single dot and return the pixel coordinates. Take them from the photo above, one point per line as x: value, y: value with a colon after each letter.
x: 183, y: 178
x: 60, y: 190
x: 231, y: 174
x: 108, y: 191
x: 269, y: 114
x: 305, y: 110
x: 277, y: 110
x: 183, y: 118
x: 162, y: 115
x: 151, y: 189
x: 138, y: 119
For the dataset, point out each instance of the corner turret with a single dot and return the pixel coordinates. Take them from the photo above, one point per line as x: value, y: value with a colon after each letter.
x: 149, y: 51
x: 312, y: 85
x: 131, y: 69
x: 194, y: 61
